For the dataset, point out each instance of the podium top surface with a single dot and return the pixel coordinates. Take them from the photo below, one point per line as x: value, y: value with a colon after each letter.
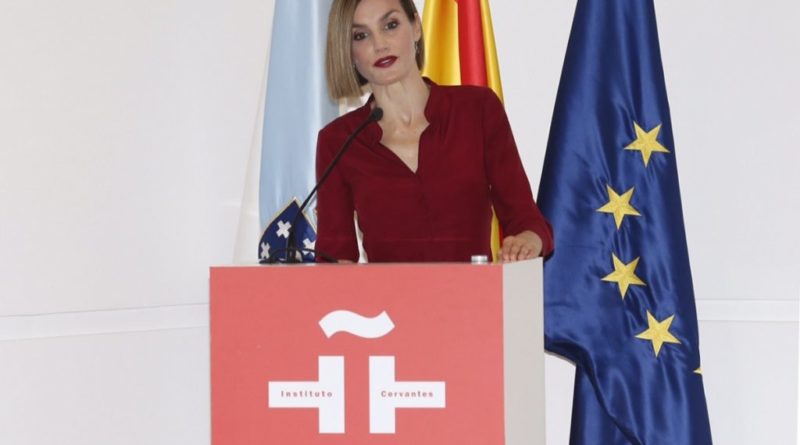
x: 255, y: 264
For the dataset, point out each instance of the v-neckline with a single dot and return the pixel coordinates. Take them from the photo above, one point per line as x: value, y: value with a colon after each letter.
x: 431, y: 102
x: 398, y: 158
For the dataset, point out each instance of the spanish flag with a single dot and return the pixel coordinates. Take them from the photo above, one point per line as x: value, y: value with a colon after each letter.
x: 460, y: 50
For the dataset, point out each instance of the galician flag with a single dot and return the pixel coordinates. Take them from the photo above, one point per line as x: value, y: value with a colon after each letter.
x: 297, y: 106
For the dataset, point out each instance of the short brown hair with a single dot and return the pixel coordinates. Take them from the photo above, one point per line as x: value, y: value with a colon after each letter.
x: 343, y: 78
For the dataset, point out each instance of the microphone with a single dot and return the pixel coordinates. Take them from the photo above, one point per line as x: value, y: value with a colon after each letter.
x: 292, y: 251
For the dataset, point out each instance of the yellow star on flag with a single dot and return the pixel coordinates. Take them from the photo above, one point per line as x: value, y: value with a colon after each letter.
x: 624, y: 275
x: 619, y: 205
x: 658, y: 332
x: 647, y: 142
x: 699, y: 371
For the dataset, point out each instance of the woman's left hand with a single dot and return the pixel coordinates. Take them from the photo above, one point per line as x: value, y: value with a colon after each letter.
x: 523, y: 246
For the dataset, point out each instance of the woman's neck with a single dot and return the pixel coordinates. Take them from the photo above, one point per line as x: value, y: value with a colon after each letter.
x: 403, y: 102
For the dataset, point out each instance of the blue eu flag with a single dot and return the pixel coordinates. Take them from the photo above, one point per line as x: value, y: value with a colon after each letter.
x: 618, y: 290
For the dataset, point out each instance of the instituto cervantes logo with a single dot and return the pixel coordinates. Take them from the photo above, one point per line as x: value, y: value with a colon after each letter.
x: 327, y: 393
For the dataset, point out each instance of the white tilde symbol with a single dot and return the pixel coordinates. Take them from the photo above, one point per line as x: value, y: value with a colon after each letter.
x: 356, y: 324
x: 326, y: 394
x: 386, y: 395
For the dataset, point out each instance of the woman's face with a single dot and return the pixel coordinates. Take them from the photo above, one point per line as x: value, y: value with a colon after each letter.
x: 383, y: 42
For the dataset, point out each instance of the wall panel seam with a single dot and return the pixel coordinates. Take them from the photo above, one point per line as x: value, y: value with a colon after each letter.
x: 155, y: 318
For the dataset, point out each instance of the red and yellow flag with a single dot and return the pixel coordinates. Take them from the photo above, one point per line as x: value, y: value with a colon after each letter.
x: 460, y: 50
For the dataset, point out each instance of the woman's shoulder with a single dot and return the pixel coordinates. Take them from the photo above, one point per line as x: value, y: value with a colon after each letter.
x: 346, y: 123
x: 466, y: 93
x: 336, y: 132
x: 464, y: 101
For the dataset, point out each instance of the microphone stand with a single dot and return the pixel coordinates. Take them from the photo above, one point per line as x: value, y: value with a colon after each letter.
x: 292, y: 253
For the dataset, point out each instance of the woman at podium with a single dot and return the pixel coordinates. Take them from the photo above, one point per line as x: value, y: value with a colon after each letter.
x: 422, y: 179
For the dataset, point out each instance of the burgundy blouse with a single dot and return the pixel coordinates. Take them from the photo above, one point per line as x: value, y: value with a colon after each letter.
x: 468, y: 162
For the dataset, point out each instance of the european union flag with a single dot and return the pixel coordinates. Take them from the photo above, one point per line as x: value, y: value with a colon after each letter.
x: 275, y: 239
x: 618, y: 290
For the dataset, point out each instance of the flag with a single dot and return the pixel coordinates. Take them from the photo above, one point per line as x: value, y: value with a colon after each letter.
x: 274, y: 240
x: 618, y: 290
x: 460, y: 50
x: 296, y: 107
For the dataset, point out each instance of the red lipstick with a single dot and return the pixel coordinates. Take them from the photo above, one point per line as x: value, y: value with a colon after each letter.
x: 385, y: 62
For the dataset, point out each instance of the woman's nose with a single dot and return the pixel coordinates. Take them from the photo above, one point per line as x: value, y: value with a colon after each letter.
x: 380, y: 42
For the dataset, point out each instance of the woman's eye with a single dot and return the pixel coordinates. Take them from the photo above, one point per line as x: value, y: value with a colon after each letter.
x: 359, y: 36
x: 392, y: 25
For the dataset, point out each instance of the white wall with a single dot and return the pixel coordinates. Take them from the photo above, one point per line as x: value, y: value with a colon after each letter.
x: 125, y: 130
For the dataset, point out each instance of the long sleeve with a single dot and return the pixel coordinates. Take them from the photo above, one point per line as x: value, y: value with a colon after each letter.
x: 336, y: 235
x: 511, y: 194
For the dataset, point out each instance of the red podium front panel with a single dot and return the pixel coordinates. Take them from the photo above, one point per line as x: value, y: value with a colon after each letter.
x: 357, y: 354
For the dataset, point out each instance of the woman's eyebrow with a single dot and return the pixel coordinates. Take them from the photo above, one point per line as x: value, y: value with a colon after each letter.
x: 385, y: 16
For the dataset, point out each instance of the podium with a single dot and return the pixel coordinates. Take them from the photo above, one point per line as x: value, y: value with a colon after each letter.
x: 417, y: 354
